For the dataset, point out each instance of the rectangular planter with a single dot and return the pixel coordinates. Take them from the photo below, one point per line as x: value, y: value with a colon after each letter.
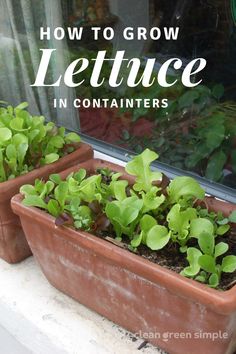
x: 165, y: 308
x: 13, y: 245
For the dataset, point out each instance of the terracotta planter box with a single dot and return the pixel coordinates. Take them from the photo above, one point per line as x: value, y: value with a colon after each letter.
x: 167, y: 309
x: 13, y: 245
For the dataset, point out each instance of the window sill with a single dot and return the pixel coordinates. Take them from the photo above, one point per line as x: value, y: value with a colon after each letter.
x: 37, y: 318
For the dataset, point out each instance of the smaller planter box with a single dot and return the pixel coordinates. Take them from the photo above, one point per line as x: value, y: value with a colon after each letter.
x: 13, y: 245
x: 168, y: 310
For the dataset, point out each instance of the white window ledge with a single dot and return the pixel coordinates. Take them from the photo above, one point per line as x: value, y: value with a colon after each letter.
x: 36, y: 318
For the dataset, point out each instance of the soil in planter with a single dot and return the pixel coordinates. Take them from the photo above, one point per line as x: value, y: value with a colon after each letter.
x: 172, y: 259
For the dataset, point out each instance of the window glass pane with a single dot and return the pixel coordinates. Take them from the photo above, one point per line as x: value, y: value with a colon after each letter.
x: 196, y: 132
x: 191, y: 128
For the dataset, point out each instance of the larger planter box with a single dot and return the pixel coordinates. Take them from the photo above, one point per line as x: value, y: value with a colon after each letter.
x: 13, y: 245
x: 168, y: 310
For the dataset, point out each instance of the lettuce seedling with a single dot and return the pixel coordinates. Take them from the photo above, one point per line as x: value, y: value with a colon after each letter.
x: 206, y: 259
x: 26, y: 142
x: 152, y: 201
x: 184, y: 189
x: 158, y: 237
x: 81, y: 214
x: 179, y: 223
x: 140, y: 168
x: 90, y: 189
x: 117, y: 188
x: 124, y: 215
x: 194, y: 267
x: 83, y: 218
x: 61, y: 193
x: 36, y: 196
x: 201, y: 226
x: 146, y: 224
x: 232, y: 217
x: 224, y: 221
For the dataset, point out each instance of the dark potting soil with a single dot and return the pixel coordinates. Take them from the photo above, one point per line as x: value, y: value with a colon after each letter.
x: 171, y: 258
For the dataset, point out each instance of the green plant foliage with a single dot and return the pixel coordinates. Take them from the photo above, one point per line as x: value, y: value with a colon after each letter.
x: 124, y: 215
x: 206, y: 260
x: 184, y: 188
x: 147, y: 222
x: 27, y: 142
x: 232, y: 217
x: 158, y: 237
x: 143, y: 213
x: 194, y: 267
x: 179, y: 223
x: 151, y: 200
x: 140, y: 168
x: 201, y: 225
x: 117, y: 188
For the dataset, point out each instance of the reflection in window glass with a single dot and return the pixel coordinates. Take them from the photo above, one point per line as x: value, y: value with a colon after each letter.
x: 195, y: 131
